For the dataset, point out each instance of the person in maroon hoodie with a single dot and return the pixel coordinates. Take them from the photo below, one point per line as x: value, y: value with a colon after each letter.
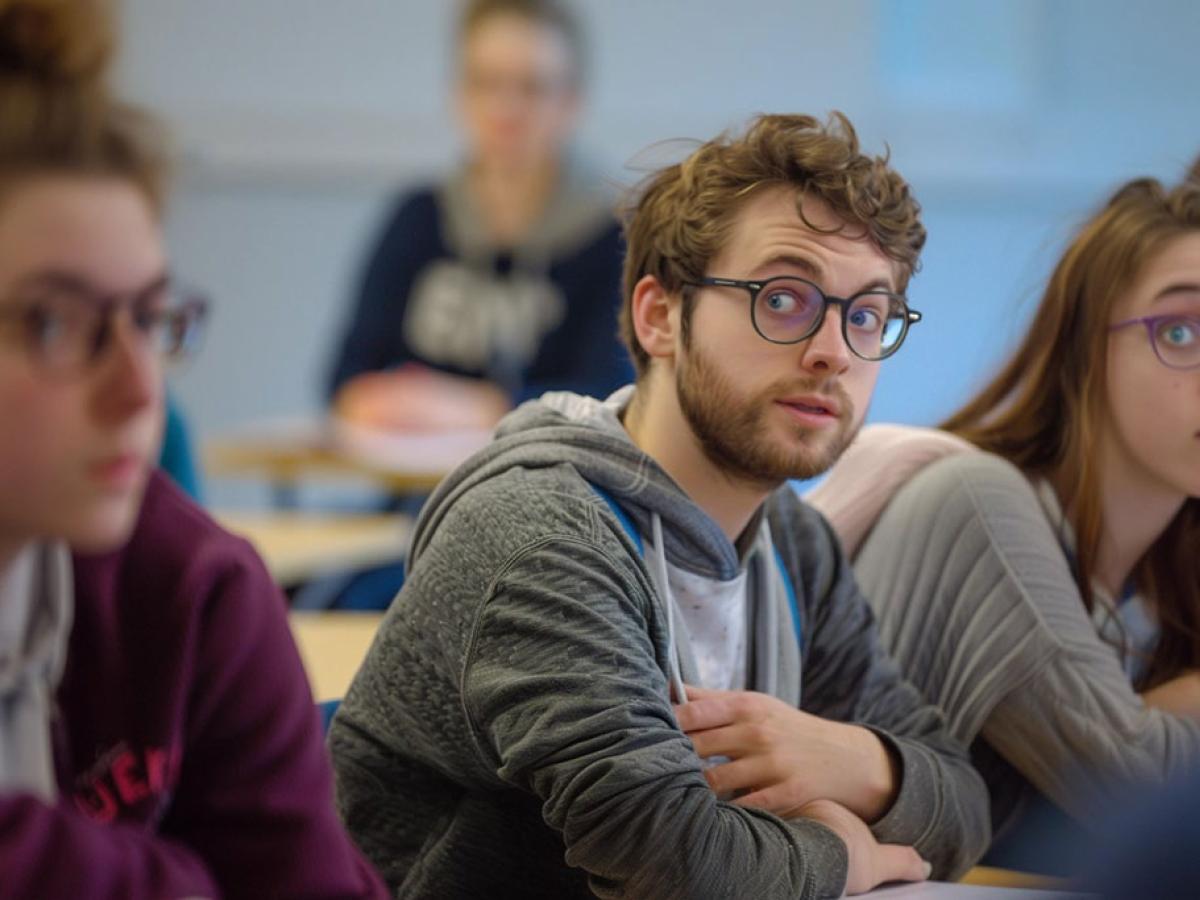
x: 157, y: 734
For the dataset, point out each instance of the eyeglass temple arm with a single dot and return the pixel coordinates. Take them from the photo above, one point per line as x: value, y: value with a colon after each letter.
x: 727, y: 282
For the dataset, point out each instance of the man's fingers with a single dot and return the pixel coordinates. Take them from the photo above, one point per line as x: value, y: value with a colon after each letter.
x: 733, y: 741
x: 701, y: 713
x: 896, y: 862
x: 738, y: 775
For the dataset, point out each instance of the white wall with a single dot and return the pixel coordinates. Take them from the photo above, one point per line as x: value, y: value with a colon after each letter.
x: 296, y: 118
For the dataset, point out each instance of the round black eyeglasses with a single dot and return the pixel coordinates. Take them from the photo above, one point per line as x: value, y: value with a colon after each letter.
x: 787, y: 310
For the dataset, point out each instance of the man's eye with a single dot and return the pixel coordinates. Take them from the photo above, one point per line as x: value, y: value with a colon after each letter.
x: 866, y: 319
x: 782, y: 302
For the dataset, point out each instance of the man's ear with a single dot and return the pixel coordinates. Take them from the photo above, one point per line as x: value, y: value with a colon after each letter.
x: 655, y: 318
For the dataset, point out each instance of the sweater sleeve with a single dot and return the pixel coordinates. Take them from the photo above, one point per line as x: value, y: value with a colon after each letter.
x: 255, y: 793
x: 941, y: 807
x: 983, y: 613
x: 51, y: 851
x: 567, y: 699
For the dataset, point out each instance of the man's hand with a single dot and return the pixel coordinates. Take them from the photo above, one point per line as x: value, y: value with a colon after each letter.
x: 783, y: 758
x: 871, y: 863
x: 414, y: 398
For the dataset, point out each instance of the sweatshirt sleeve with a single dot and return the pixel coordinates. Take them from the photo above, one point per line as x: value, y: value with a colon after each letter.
x: 941, y: 807
x: 50, y: 851
x: 255, y: 793
x: 1031, y: 674
x: 566, y: 699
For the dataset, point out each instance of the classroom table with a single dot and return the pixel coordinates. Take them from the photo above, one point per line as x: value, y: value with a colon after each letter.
x: 966, y: 890
x: 288, y: 452
x: 333, y: 645
x: 300, y: 546
x: 988, y: 876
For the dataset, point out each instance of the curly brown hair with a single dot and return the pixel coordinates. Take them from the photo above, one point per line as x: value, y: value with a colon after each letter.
x: 59, y: 114
x: 680, y: 217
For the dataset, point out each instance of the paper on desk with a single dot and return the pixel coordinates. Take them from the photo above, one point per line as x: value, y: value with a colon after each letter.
x: 940, y: 890
x: 428, y: 452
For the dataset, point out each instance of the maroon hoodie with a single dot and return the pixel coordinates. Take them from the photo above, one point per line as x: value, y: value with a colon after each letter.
x: 188, y: 750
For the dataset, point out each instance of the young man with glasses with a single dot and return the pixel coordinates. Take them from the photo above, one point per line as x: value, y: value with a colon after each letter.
x: 628, y: 660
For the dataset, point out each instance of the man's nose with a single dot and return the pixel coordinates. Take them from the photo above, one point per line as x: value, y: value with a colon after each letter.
x: 825, y: 352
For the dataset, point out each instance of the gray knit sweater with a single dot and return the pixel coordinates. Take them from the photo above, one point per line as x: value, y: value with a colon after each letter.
x: 511, y: 734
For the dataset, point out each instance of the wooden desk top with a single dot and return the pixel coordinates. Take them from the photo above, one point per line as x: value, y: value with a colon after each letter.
x: 1008, y: 878
x: 300, y: 449
x: 300, y: 546
x: 333, y: 645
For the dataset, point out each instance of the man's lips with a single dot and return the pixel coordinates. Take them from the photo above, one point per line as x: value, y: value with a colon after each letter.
x: 813, y: 405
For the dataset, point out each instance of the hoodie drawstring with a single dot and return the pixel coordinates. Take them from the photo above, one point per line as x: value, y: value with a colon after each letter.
x: 658, y: 574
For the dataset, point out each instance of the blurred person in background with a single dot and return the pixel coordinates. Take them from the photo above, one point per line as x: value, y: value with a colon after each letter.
x: 501, y: 282
x: 1033, y: 565
x: 157, y: 734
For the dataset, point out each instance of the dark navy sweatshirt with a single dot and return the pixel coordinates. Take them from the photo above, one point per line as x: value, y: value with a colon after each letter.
x: 529, y: 318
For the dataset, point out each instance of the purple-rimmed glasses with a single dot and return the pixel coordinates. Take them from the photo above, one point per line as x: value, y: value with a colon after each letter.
x: 1175, y: 338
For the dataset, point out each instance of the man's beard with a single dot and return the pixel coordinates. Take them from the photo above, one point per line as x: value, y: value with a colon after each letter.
x: 734, y: 432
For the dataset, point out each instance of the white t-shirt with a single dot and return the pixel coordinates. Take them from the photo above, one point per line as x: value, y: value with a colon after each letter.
x: 714, y: 614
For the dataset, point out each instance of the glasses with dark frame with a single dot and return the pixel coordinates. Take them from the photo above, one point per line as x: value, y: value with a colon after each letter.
x: 66, y: 328
x: 786, y: 310
x: 1175, y: 338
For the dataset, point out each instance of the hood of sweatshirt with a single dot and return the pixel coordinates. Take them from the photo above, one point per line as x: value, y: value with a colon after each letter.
x: 579, y: 209
x: 587, y: 434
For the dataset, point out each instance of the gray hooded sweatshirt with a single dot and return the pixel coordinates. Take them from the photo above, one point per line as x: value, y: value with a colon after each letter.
x: 510, y: 732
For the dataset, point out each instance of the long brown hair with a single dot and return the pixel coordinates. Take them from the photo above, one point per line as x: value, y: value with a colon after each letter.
x: 57, y: 113
x: 1043, y: 411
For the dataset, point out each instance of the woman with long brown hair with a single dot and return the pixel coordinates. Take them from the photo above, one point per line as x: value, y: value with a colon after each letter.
x: 1033, y: 564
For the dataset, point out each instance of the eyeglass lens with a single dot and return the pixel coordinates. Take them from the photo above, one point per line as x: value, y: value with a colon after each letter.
x: 786, y: 310
x: 1177, y: 341
x: 67, y: 332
